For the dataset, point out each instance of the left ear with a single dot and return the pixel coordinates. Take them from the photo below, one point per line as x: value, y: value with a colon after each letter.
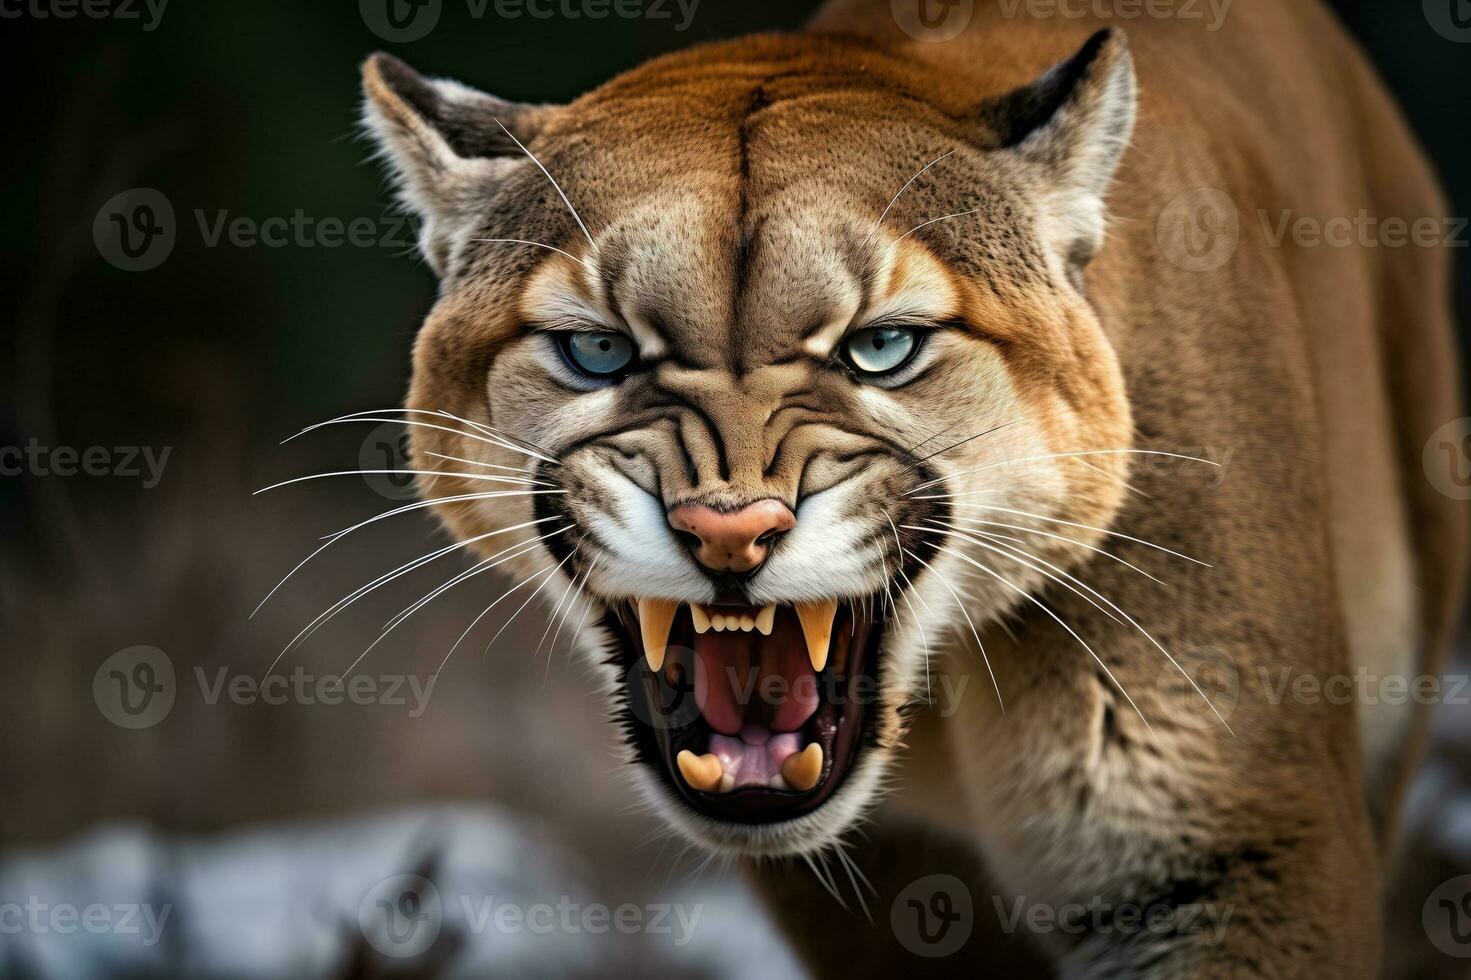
x: 1072, y: 126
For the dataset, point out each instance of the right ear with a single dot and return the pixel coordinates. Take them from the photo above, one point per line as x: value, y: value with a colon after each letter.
x: 446, y: 144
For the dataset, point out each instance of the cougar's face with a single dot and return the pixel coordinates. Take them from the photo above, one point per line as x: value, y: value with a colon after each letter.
x: 751, y: 372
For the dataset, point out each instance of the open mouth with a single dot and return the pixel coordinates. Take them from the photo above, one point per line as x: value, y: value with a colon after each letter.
x: 754, y: 714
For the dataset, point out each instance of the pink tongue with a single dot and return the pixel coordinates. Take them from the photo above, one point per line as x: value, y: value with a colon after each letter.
x: 745, y: 678
x: 755, y: 758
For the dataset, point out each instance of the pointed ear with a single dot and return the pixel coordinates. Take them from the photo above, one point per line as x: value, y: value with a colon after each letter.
x: 446, y: 144
x: 1072, y: 127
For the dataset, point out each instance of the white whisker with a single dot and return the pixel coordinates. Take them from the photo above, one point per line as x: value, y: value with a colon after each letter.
x: 550, y: 248
x: 576, y: 217
x: 489, y: 466
x: 334, y: 537
x: 1022, y: 557
x: 523, y: 605
x: 1076, y: 455
x: 486, y: 611
x: 341, y: 604
x: 1083, y: 527
x: 926, y: 224
x: 566, y: 594
x: 463, y: 576
x: 481, y: 477
x: 507, y: 554
x: 485, y: 435
x: 1061, y: 537
x: 973, y: 631
x: 1058, y: 619
x: 892, y: 201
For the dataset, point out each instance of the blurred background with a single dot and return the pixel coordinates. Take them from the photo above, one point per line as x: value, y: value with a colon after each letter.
x: 150, y: 390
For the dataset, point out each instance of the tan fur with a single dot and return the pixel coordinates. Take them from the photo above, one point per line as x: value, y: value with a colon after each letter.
x: 732, y: 195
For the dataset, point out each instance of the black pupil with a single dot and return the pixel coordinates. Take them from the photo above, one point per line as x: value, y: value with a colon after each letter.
x: 878, y: 342
x: 605, y: 344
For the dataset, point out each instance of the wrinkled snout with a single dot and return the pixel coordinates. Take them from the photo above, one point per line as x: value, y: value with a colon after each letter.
x: 732, y: 541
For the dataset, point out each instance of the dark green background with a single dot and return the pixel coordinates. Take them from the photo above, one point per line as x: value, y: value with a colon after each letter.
x: 250, y: 108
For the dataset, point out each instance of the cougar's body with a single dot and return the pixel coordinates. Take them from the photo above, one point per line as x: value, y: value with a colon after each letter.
x: 1154, y: 681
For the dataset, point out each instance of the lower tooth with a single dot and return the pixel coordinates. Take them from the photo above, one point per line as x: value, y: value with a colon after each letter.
x: 801, y: 769
x: 701, y: 772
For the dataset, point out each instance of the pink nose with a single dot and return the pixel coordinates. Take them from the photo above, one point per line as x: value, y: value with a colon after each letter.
x: 733, y: 541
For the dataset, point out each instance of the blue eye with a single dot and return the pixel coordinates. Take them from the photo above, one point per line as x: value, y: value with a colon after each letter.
x: 879, y: 350
x: 598, y: 354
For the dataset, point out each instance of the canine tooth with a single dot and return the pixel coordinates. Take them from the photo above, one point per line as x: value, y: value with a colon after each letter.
x: 765, y: 618
x: 702, y: 772
x: 817, y: 628
x: 700, y: 616
x: 747, y: 624
x: 801, y: 769
x: 655, y: 616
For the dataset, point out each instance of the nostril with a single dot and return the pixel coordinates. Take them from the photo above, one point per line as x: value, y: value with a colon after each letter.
x: 768, y: 538
x: 731, y: 540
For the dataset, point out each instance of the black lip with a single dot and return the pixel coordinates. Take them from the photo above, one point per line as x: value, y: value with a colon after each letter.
x: 662, y: 720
